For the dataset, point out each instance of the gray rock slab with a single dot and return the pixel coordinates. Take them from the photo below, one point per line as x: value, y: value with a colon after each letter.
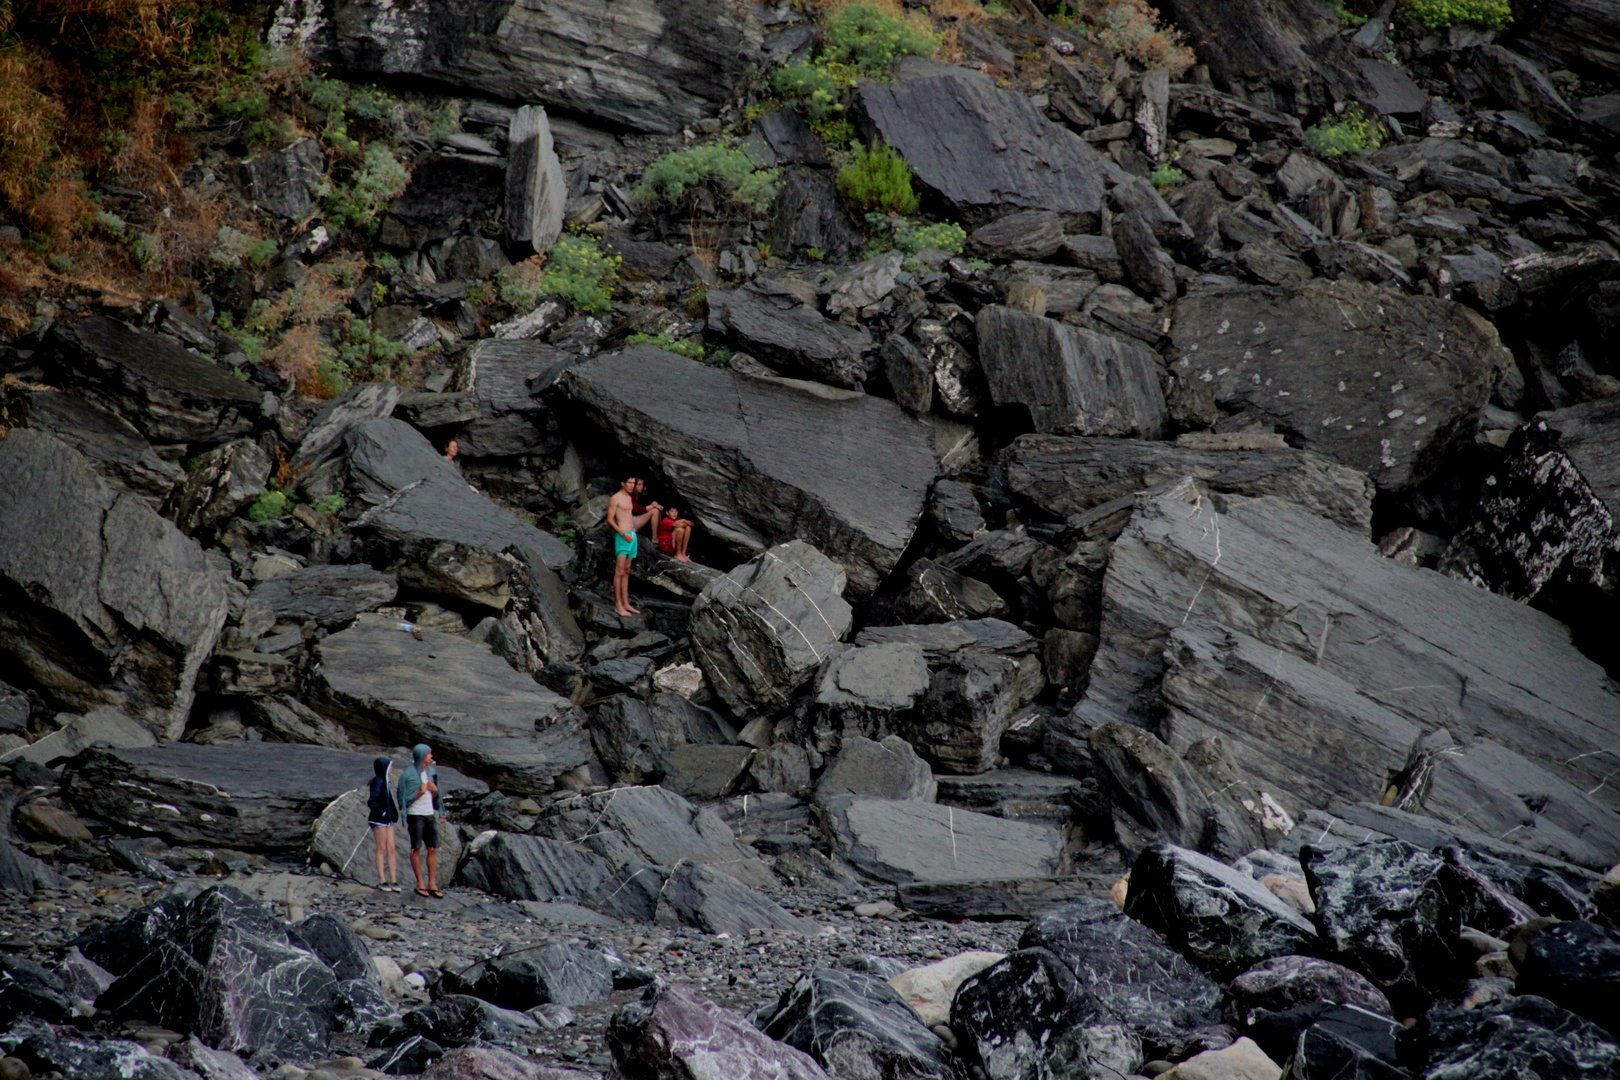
x: 655, y: 66
x: 857, y: 1024
x: 997, y: 898
x: 326, y: 594
x: 902, y: 841
x: 1066, y: 477
x: 111, y: 444
x: 983, y: 149
x: 281, y: 180
x: 1376, y: 379
x: 477, y: 713
x: 330, y: 427
x: 543, y: 870
x: 889, y: 769
x: 1320, y: 664
x: 243, y: 795
x: 761, y: 631
x: 103, y: 727
x: 942, y: 641
x: 715, y: 902
x: 221, y: 482
x: 1286, y: 61
x: 793, y: 336
x: 169, y: 394
x: 506, y: 376
x: 652, y: 825
x: 419, y: 496
x: 102, y: 602
x: 535, y: 190
x: 759, y: 462
x: 1073, y: 381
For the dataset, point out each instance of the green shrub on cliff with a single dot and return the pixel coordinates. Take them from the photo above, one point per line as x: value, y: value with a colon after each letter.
x: 1494, y: 14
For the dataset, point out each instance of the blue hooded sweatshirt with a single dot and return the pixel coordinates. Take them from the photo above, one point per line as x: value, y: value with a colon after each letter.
x: 411, y: 780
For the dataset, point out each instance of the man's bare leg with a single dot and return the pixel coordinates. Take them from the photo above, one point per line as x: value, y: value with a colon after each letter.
x: 683, y: 537
x: 621, y: 587
x: 433, y: 869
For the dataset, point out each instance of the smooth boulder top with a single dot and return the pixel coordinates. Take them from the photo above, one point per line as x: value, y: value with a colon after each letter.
x: 250, y: 769
x: 761, y: 461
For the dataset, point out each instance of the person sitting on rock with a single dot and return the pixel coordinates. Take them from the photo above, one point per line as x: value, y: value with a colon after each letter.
x: 626, y: 521
x: 382, y: 814
x: 674, y: 534
x: 419, y: 795
x: 451, y: 449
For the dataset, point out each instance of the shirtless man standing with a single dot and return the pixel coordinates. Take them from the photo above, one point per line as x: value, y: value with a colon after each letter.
x: 626, y: 524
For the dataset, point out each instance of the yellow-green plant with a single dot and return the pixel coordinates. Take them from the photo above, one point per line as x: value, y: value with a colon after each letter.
x: 578, y: 271
x: 1440, y: 13
x: 1353, y: 132
x: 878, y: 179
x: 725, y: 170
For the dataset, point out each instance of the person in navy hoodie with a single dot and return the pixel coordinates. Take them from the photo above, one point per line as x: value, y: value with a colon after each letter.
x: 382, y: 814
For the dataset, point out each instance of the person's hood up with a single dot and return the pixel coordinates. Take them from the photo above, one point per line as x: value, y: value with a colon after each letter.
x: 419, y: 753
x: 382, y: 765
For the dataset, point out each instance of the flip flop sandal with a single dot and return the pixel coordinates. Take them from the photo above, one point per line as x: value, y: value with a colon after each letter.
x: 424, y: 892
x: 437, y: 894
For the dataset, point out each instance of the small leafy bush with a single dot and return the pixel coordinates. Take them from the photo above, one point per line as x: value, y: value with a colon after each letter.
x: 329, y: 505
x: 1167, y: 175
x: 379, y: 180
x: 687, y: 347
x: 1351, y: 133
x: 233, y: 248
x: 1441, y: 13
x: 578, y: 271
x: 818, y: 88
x: 947, y: 236
x: 269, y: 506
x: 878, y: 179
x: 727, y: 171
x: 868, y: 40
x: 366, y: 352
x: 1132, y: 27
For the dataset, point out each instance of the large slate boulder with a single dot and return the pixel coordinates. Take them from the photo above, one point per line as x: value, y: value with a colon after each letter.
x: 111, y: 444
x: 328, y: 595
x: 1286, y: 59
x: 793, y: 335
x: 673, y: 1034
x: 984, y: 151
x: 521, y: 867
x: 655, y: 66
x: 761, y: 631
x: 970, y: 702
x: 1131, y: 972
x: 1221, y: 919
x: 756, y: 462
x: 1065, y: 477
x: 477, y: 713
x: 1285, y: 982
x: 102, y: 602
x: 220, y: 483
x: 43, y: 1050
x: 169, y: 394
x: 1576, y: 965
x: 1376, y: 379
x: 717, y: 903
x: 104, y: 727
x: 232, y: 973
x: 1307, y: 705
x: 535, y: 189
x: 1519, y: 1036
x: 1392, y: 912
x: 557, y: 973
x: 866, y: 691
x: 856, y: 1024
x: 420, y: 499
x: 250, y: 796
x: 634, y: 738
x: 906, y: 840
x: 889, y: 769
x: 652, y: 825
x: 1073, y: 381
x: 506, y: 376
x: 1026, y: 1018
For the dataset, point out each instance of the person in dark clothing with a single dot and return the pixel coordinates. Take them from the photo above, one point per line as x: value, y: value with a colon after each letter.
x: 382, y: 814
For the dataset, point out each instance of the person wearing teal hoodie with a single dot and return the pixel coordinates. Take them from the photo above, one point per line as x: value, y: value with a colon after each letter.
x: 419, y: 795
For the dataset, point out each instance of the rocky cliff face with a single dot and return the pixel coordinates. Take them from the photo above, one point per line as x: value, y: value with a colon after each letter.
x: 1150, y: 534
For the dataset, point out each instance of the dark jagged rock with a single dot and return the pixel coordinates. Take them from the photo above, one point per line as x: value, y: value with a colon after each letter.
x: 652, y: 825
x: 1073, y: 381
x: 359, y: 998
x: 1027, y: 234
x: 793, y: 336
x: 460, y: 1019
x: 536, y: 192
x: 476, y: 712
x: 1130, y: 971
x: 281, y: 180
x: 633, y: 737
x: 229, y: 971
x: 1164, y: 593
x: 117, y: 946
x: 507, y: 376
x: 27, y: 989
x: 673, y: 1034
x: 1026, y: 1018
x: 20, y: 873
x: 557, y: 974
x: 171, y: 395
x: 326, y: 594
x: 1066, y: 477
x: 111, y: 444
x: 1415, y: 370
x: 1219, y: 918
x: 45, y: 1052
x: 761, y: 630
x: 857, y: 1025
x: 970, y: 701
x: 420, y: 498
x: 656, y: 66
x: 938, y: 593
x: 869, y: 691
x: 901, y: 841
x: 250, y: 796
x: 102, y: 602
x: 1285, y: 982
x: 1287, y: 60
x: 1576, y: 965
x: 1391, y: 911
x: 522, y: 867
x: 759, y: 462
x: 717, y: 903
x: 984, y: 150
x: 219, y: 484
x: 1342, y: 1042
x: 1157, y: 787
x: 1521, y: 1036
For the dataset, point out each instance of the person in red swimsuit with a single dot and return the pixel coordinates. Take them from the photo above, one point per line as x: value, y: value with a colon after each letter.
x: 674, y: 534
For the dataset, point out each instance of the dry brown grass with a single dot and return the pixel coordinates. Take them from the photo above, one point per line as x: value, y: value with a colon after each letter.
x: 31, y: 122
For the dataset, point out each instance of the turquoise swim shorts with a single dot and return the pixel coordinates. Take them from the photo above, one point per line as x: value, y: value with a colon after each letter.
x: 621, y: 546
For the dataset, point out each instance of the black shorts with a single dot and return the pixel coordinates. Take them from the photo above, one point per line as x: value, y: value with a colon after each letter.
x: 424, y: 830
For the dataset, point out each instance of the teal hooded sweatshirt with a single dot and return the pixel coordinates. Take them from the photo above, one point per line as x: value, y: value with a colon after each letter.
x: 410, y: 780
